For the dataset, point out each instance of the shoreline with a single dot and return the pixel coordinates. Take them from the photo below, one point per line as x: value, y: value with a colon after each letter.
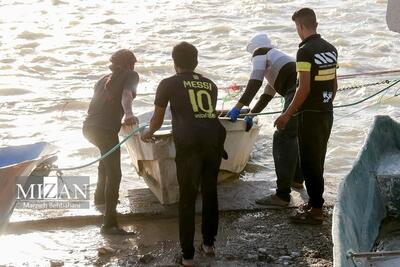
x: 245, y: 238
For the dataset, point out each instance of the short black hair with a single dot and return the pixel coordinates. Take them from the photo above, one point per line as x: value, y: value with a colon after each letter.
x: 185, y: 55
x: 305, y: 16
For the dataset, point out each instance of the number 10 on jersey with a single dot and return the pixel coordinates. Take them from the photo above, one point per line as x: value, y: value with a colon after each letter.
x: 197, y: 99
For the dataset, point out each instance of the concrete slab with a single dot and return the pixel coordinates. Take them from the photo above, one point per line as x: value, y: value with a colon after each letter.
x: 236, y: 195
x: 139, y: 204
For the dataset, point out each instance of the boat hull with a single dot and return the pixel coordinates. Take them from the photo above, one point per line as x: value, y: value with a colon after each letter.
x: 155, y: 162
x: 366, y: 194
x: 16, y: 164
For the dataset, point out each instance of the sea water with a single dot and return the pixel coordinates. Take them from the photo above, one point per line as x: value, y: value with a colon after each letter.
x: 52, y: 52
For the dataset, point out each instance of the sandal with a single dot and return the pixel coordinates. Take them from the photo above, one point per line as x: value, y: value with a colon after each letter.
x: 184, y: 262
x: 208, y: 251
x: 273, y: 202
x: 305, y: 218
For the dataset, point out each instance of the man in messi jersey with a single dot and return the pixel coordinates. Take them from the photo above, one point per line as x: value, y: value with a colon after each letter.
x: 316, y: 65
x: 279, y: 70
x: 199, y: 137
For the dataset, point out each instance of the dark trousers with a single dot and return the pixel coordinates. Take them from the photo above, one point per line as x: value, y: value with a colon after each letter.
x: 197, y: 165
x: 314, y: 131
x: 286, y: 154
x: 109, y: 171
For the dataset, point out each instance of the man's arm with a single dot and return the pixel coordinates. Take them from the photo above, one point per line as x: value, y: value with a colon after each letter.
x: 259, y: 63
x: 126, y: 102
x: 128, y: 94
x: 155, y: 123
x: 300, y: 96
x: 265, y: 98
x: 251, y: 90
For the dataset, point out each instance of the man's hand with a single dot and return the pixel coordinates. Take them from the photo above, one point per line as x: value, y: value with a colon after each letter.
x: 147, y: 137
x: 233, y: 114
x: 131, y: 121
x: 281, y: 121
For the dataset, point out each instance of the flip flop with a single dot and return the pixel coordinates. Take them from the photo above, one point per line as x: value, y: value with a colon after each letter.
x: 184, y: 262
x: 273, y: 202
x: 209, y: 252
x: 305, y: 218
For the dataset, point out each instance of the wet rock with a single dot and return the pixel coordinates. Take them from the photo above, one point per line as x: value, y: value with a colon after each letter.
x: 252, y: 257
x: 146, y: 259
x: 281, y: 247
x: 285, y: 258
x: 294, y: 254
x: 262, y: 250
x: 265, y: 257
x: 98, y: 262
x: 315, y: 254
x: 105, y: 251
x: 56, y: 263
x: 230, y: 257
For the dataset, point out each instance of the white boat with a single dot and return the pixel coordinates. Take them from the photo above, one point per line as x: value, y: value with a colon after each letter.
x: 16, y: 164
x: 366, y: 225
x: 155, y: 162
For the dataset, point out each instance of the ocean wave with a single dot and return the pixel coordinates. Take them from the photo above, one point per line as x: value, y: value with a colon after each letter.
x: 13, y: 91
x: 43, y: 59
x: 5, y: 125
x: 27, y: 35
x: 6, y: 67
x: 58, y: 2
x: 110, y: 22
x: 36, y: 69
x: 32, y: 45
x: 26, y: 51
x: 7, y: 60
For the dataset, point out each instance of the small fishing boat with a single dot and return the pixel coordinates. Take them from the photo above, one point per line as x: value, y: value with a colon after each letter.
x: 366, y: 225
x: 17, y: 163
x: 392, y: 15
x: 155, y: 162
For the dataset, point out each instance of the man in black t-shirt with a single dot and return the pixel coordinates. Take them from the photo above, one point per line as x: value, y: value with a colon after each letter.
x: 316, y: 65
x: 111, y: 102
x: 199, y: 139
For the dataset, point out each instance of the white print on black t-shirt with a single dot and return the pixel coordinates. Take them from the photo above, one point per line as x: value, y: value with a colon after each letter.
x: 327, y: 96
x: 325, y: 58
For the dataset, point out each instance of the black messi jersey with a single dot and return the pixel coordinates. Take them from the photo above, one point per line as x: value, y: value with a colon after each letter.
x: 193, y: 99
x: 318, y: 57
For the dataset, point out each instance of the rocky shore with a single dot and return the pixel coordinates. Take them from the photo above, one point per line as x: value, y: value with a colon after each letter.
x: 256, y: 238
